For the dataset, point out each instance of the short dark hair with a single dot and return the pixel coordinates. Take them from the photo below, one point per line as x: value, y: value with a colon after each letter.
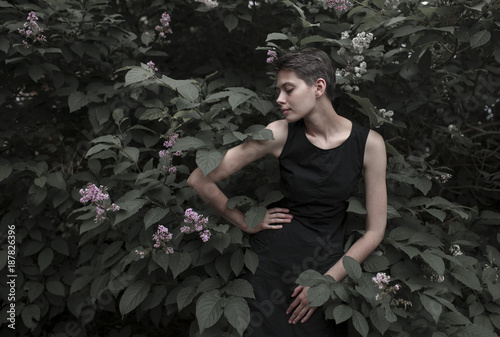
x: 309, y: 64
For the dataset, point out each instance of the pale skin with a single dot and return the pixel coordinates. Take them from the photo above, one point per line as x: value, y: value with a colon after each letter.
x: 325, y: 129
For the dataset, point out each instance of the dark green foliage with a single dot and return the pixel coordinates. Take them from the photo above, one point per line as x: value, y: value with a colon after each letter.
x: 84, y: 106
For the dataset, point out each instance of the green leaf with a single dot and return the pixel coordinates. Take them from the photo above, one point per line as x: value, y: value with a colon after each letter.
x: 377, y: 317
x: 231, y: 22
x: 133, y: 296
x: 79, y: 283
x: 494, y: 290
x: 5, y: 171
x: 240, y: 288
x: 208, y: 160
x: 439, y: 214
x: 251, y: 260
x: 355, y: 206
x: 188, y: 143
x: 276, y: 36
x: 179, y: 262
x: 237, y: 261
x: 434, y: 261
x: 467, y: 277
x: 162, y: 260
x: 272, y: 197
x: 360, y: 324
x: 237, y: 313
x: 369, y: 110
x: 312, y: 39
x: 408, y: 30
x: 31, y: 315
x: 342, y: 313
x: 255, y: 215
x: 432, y: 306
x: 137, y: 74
x: 475, y: 330
x: 128, y: 208
x: 97, y: 148
x: 220, y: 241
x: 209, y: 309
x: 131, y: 153
x: 480, y: 38
x: 35, y: 71
x: 187, y: 90
x: 185, y: 296
x: 318, y: 295
x: 45, y: 258
x: 154, y: 215
x: 352, y: 267
x: 239, y: 201
x: 35, y: 289
x: 55, y: 287
x: 77, y: 100
x: 311, y: 278
x: 208, y: 284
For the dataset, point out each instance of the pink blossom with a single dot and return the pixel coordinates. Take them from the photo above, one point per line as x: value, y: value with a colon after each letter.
x: 151, y: 65
x: 31, y: 30
x: 196, y: 222
x: 98, y: 197
x: 172, y: 169
x: 205, y: 235
x: 272, y: 56
x: 162, y: 236
x: 380, y: 279
x: 164, y: 28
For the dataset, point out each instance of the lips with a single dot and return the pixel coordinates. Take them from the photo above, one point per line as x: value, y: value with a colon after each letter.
x: 285, y: 111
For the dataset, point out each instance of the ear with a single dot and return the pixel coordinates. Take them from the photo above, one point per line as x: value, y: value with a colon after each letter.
x: 320, y: 87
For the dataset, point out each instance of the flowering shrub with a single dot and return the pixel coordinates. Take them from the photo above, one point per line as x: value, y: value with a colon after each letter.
x: 87, y: 102
x: 32, y: 31
x: 98, y: 197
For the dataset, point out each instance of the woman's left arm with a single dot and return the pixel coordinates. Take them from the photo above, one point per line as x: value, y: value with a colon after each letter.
x: 375, y: 165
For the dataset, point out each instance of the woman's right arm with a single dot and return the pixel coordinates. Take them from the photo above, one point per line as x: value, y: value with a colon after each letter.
x: 235, y: 159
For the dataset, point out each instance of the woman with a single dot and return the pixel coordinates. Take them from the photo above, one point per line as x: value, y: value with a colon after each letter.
x: 321, y: 156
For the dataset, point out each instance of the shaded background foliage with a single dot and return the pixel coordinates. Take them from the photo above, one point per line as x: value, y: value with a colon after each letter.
x: 80, y: 108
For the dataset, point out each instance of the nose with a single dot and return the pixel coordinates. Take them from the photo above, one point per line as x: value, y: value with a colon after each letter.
x: 280, y: 100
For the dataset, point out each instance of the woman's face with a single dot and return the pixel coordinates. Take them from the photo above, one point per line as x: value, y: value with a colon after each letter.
x: 295, y: 97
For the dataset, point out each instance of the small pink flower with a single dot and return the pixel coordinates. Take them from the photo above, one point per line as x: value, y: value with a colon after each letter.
x: 272, y: 56
x: 151, y: 65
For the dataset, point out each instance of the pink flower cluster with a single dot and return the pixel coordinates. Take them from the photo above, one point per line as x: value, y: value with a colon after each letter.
x: 98, y: 197
x: 31, y: 30
x: 271, y: 56
x: 381, y: 279
x: 166, y: 155
x: 341, y: 5
x: 164, y: 28
x: 382, y: 282
x: 161, y: 238
x: 195, y: 222
x: 151, y: 65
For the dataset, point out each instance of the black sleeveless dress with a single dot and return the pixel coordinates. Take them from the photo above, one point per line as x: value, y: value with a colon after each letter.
x: 316, y: 184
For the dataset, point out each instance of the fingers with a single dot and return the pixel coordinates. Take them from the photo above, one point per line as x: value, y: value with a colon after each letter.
x: 301, y: 312
x: 297, y: 290
x: 278, y: 215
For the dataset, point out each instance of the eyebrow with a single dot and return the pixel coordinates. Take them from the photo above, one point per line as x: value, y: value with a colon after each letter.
x: 285, y: 84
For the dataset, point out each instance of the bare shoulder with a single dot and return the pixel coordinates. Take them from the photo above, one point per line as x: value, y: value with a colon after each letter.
x: 375, y: 153
x: 280, y: 134
x: 279, y: 129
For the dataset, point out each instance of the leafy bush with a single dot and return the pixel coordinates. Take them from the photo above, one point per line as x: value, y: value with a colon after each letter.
x: 96, y: 94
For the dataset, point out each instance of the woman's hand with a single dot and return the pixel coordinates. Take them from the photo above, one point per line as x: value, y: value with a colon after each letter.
x: 301, y: 312
x: 274, y: 217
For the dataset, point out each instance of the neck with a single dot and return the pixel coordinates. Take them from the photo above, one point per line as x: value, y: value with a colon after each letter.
x: 323, y: 120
